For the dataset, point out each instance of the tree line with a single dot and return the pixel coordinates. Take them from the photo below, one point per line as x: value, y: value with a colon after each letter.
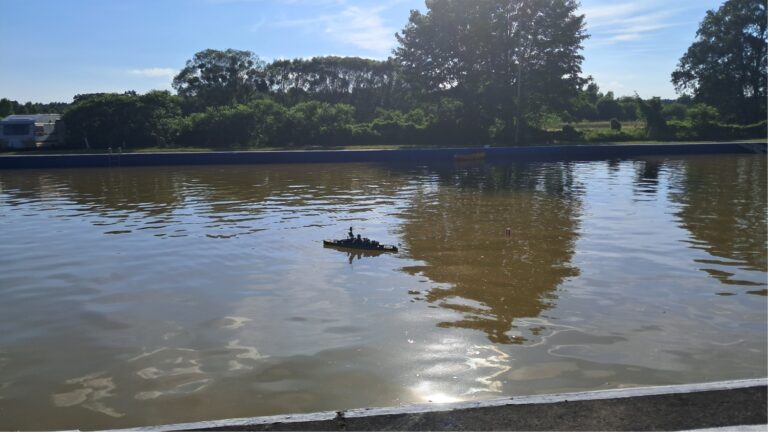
x: 9, y: 107
x: 463, y: 73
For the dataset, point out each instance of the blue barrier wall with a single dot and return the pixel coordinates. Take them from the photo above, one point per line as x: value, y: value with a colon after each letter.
x: 548, y: 153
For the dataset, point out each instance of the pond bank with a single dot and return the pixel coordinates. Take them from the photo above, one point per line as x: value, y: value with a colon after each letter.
x: 679, y: 407
x: 533, y: 153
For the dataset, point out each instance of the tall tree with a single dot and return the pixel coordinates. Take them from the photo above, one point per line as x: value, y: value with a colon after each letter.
x: 366, y: 84
x: 656, y: 127
x: 608, y: 107
x: 6, y: 107
x: 214, y: 78
x: 507, y: 58
x: 726, y: 66
x: 126, y: 120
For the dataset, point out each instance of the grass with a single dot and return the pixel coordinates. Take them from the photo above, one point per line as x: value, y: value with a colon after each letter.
x: 596, y: 132
x: 592, y: 125
x: 361, y: 147
x: 637, y: 124
x: 63, y: 151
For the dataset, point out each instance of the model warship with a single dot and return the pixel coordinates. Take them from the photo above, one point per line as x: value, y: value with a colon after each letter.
x: 360, y: 243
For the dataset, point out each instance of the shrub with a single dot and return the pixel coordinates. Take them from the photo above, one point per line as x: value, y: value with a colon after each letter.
x: 454, y: 123
x: 321, y: 123
x: 688, y: 131
x: 259, y: 124
x: 674, y: 111
x: 396, y: 127
x: 755, y: 130
x: 569, y: 133
x: 123, y: 120
x: 615, y: 124
x: 608, y: 107
x: 609, y: 135
x: 362, y: 133
x: 655, y: 126
x: 702, y: 115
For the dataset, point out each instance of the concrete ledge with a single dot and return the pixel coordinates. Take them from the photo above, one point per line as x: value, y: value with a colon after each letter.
x: 542, y: 153
x: 679, y: 407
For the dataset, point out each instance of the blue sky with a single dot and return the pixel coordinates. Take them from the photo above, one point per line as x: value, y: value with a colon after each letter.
x: 51, y: 50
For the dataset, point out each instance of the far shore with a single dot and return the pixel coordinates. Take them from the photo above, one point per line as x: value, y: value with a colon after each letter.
x: 144, y: 150
x: 164, y: 157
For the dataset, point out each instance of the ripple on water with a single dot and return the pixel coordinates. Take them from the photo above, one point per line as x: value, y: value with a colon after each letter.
x: 617, y: 273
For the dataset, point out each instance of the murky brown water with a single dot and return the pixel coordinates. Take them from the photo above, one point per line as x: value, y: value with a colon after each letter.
x: 156, y: 295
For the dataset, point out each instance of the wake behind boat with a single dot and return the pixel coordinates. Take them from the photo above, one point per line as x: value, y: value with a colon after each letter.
x: 360, y: 243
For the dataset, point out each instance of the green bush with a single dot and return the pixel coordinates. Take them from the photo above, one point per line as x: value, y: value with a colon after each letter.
x: 689, y: 131
x: 656, y: 127
x: 396, y: 127
x: 452, y: 122
x: 609, y: 135
x: 321, y: 123
x: 615, y: 124
x: 674, y: 111
x: 261, y: 123
x: 123, y: 120
x: 607, y: 107
x: 569, y: 133
x: 751, y: 131
x: 362, y: 133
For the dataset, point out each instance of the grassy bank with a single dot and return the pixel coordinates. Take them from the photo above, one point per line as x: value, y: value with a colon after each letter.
x: 64, y: 151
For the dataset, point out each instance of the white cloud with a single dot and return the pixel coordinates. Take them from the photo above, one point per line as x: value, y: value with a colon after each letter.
x: 359, y: 26
x: 597, y: 14
x: 363, y: 28
x: 279, y: 2
x: 628, y: 21
x: 154, y: 72
x: 615, y: 85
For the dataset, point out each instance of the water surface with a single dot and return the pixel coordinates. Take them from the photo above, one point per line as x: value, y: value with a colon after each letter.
x: 138, y: 296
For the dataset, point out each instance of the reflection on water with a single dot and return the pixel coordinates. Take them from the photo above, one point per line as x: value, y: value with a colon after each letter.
x: 492, y: 278
x: 723, y: 206
x: 155, y: 295
x: 647, y: 176
x: 353, y: 254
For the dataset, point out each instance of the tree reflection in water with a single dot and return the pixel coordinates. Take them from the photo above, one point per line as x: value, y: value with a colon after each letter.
x: 647, y: 175
x: 722, y: 204
x: 456, y: 227
x: 225, y: 201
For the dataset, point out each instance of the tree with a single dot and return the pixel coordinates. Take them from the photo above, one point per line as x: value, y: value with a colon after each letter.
x: 674, y: 111
x: 18, y: 108
x: 656, y: 127
x: 320, y: 123
x: 123, y: 120
x: 501, y: 58
x: 629, y: 107
x: 726, y: 66
x: 703, y: 119
x: 608, y: 107
x: 215, y: 78
x: 582, y: 107
x: 363, y: 83
x: 701, y: 114
x: 258, y: 124
x: 6, y: 108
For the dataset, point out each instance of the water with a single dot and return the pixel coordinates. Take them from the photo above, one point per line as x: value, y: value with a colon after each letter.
x: 140, y: 296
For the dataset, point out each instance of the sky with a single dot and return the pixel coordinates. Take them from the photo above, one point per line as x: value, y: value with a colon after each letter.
x: 51, y: 50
